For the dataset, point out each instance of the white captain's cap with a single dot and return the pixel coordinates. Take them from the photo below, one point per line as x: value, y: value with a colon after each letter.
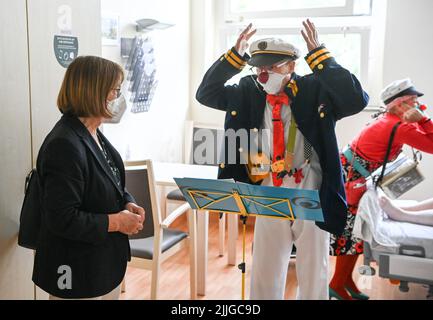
x: 266, y: 52
x: 397, y: 89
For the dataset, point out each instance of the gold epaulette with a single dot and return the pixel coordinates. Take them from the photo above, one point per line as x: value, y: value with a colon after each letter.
x: 294, y: 87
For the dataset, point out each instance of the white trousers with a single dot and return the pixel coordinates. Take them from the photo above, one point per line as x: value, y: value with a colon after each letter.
x: 273, y: 241
x: 113, y: 295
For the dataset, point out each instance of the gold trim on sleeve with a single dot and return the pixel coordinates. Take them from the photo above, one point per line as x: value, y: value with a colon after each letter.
x: 233, y: 62
x: 319, y: 60
x: 236, y: 58
x: 316, y: 54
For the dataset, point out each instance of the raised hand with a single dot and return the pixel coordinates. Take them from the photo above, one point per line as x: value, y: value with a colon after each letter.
x: 242, y: 45
x: 310, y: 35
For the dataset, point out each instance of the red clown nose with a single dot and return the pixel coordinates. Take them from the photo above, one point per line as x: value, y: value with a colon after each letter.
x: 263, y: 77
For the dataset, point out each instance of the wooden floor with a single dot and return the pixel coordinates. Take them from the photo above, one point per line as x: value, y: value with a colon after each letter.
x: 224, y: 282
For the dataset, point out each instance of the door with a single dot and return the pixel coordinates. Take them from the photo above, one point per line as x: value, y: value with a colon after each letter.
x: 32, y: 72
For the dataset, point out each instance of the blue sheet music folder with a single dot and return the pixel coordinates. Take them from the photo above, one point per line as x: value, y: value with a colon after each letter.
x: 274, y: 202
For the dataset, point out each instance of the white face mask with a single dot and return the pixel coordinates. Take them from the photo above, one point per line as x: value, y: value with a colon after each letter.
x: 117, y: 108
x: 273, y: 85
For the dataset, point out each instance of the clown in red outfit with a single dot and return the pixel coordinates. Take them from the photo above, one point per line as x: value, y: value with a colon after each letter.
x: 364, y: 155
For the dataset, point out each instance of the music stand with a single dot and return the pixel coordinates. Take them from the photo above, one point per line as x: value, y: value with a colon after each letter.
x: 250, y: 200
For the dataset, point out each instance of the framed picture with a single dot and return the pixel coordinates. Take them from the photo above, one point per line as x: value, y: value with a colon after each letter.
x: 110, y: 29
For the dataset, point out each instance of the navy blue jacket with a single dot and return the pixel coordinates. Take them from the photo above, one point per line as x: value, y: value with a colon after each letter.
x: 318, y: 101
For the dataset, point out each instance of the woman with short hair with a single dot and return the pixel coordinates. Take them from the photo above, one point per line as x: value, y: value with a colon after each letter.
x: 87, y: 214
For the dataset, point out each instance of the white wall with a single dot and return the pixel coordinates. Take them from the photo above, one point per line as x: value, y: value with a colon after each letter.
x: 407, y: 53
x: 157, y: 134
x: 15, y: 151
x: 204, y: 40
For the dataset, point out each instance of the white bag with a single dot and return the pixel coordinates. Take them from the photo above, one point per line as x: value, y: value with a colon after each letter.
x: 400, y: 176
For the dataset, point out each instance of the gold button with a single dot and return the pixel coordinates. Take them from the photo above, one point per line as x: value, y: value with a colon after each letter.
x: 320, y: 66
x: 241, y: 150
x: 234, y: 113
x: 222, y: 165
x: 322, y: 115
x: 256, y: 130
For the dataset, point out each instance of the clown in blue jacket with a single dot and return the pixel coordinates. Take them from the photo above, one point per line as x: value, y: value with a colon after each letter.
x: 299, y: 113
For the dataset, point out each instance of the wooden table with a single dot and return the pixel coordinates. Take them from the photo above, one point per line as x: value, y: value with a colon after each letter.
x: 164, y: 174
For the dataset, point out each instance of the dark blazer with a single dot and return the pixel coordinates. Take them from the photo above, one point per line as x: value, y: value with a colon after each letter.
x: 318, y: 101
x: 78, y: 193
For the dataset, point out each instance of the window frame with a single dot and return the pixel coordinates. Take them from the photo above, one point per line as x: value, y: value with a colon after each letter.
x: 347, y: 10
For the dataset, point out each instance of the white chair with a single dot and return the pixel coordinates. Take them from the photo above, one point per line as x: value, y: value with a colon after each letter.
x: 157, y: 242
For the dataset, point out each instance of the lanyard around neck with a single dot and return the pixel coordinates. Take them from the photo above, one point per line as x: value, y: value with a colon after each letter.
x: 292, y: 135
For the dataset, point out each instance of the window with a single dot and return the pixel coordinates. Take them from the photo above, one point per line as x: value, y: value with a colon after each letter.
x: 350, y: 29
x: 349, y: 55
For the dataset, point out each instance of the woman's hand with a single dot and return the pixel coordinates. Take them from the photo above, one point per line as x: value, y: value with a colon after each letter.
x: 125, y: 222
x: 242, y: 45
x: 310, y: 35
x: 134, y: 208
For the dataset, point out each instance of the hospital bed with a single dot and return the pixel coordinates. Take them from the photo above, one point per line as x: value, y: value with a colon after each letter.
x: 403, y: 251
